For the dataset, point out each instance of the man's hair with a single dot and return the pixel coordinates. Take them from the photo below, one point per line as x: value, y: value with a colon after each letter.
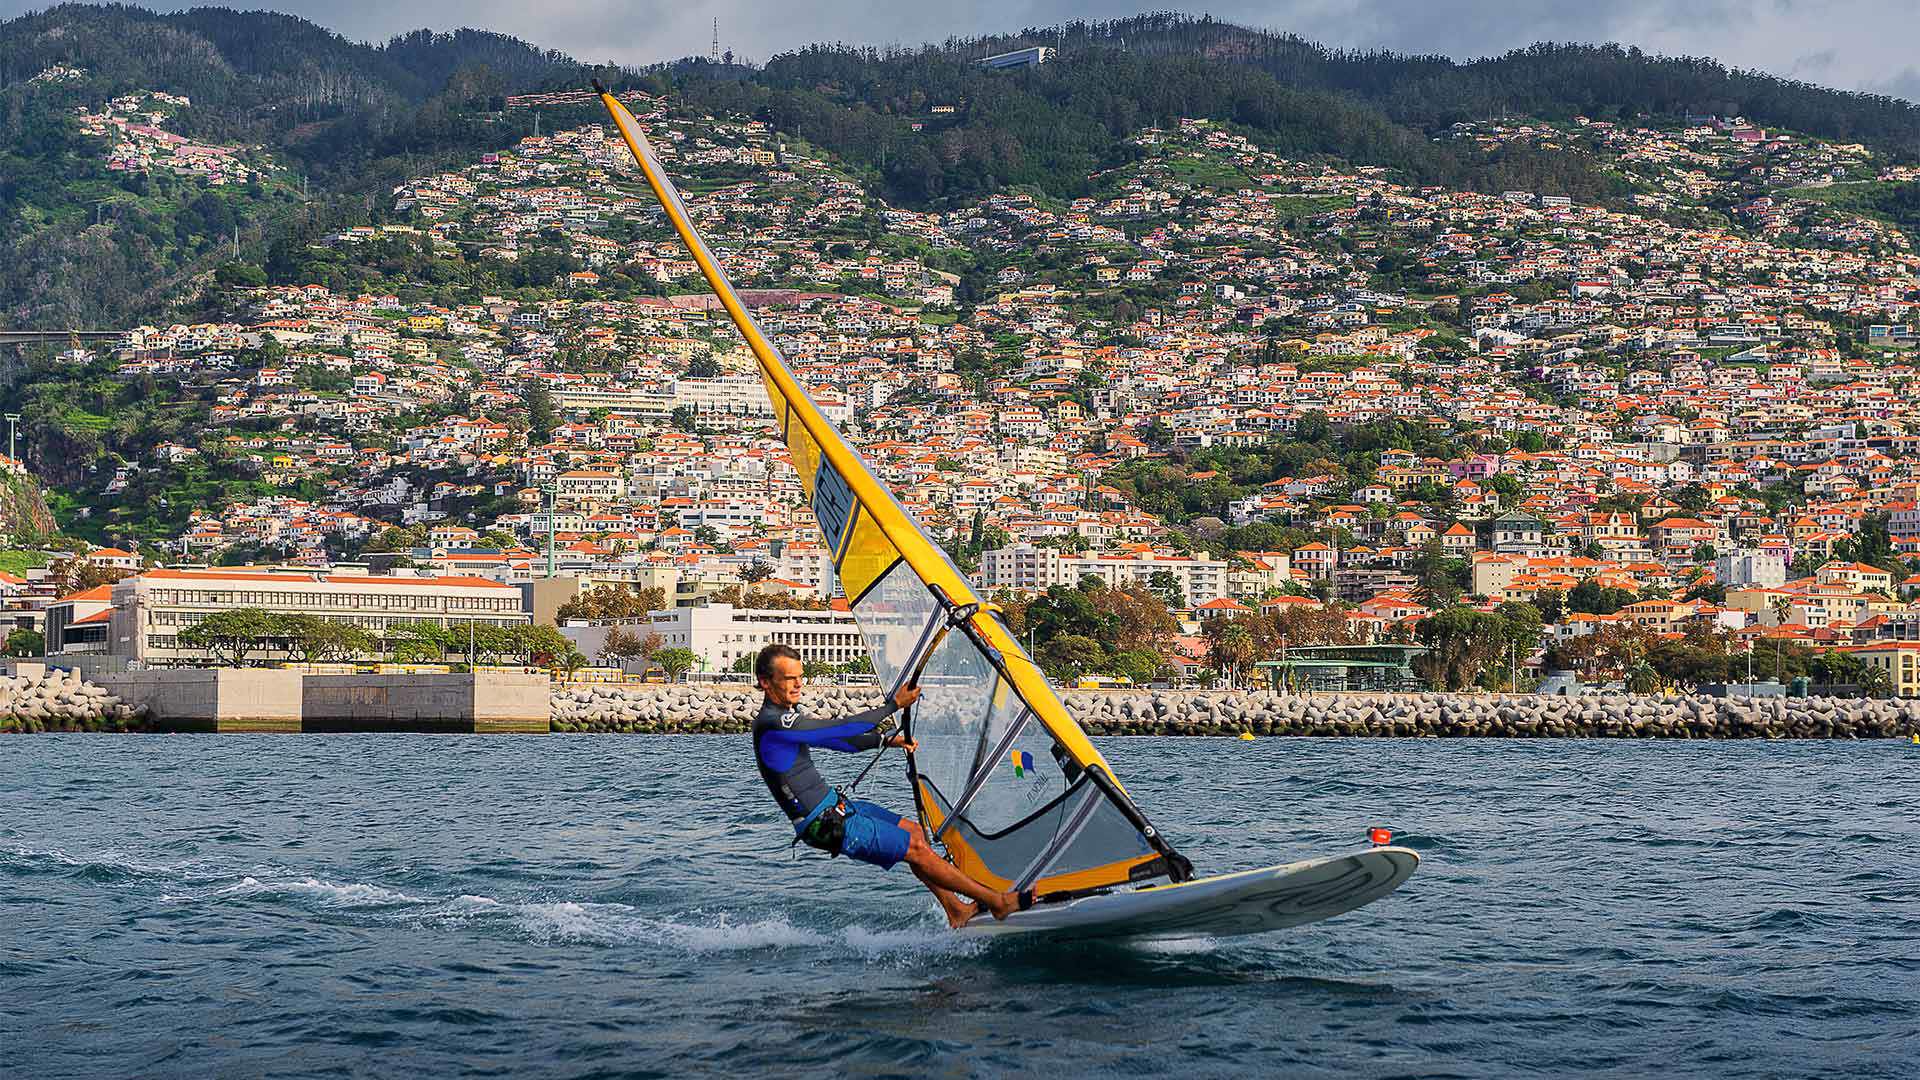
x: 763, y: 664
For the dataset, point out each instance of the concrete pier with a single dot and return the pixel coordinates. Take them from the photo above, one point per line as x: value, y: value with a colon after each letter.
x: 486, y: 703
x: 274, y: 700
x: 213, y: 699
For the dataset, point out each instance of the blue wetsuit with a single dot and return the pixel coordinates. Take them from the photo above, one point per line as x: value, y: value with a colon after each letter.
x: 782, y: 748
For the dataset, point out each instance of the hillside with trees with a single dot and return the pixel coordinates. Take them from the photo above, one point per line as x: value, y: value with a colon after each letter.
x: 340, y: 120
x: 344, y: 121
x: 1055, y: 125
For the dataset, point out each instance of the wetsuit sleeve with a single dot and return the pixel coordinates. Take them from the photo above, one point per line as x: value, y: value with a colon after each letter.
x: 848, y: 734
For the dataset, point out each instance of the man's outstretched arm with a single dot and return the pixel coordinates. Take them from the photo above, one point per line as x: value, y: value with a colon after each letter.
x: 847, y: 734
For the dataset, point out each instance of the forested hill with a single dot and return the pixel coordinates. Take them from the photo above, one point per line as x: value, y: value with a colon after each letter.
x: 1551, y: 81
x: 326, y: 125
x: 264, y: 77
x: 235, y: 59
x: 321, y: 125
x: 1051, y: 126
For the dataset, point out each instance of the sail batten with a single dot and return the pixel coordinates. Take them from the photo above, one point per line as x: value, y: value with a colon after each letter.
x: 989, y: 728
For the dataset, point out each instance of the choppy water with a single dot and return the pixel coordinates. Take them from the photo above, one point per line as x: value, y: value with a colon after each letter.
x: 626, y: 906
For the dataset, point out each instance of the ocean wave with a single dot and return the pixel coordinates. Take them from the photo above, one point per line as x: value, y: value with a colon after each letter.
x: 322, y: 893
x: 106, y: 866
x: 570, y: 922
x: 578, y: 922
x: 546, y: 921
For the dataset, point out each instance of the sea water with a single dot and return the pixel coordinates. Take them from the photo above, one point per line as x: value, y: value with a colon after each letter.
x: 413, y: 906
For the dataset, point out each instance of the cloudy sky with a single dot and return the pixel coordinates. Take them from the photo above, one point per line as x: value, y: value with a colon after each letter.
x: 1856, y: 44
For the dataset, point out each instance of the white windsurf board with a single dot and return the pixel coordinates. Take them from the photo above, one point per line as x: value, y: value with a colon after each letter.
x: 1249, y: 902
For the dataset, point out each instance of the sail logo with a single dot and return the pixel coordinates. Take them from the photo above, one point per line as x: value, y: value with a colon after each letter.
x: 833, y: 506
x: 1022, y: 761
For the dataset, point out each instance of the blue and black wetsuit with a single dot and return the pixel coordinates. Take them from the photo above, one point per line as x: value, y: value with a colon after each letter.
x: 782, y: 748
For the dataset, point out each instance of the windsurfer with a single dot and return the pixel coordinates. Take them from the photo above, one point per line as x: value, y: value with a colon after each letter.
x: 823, y: 818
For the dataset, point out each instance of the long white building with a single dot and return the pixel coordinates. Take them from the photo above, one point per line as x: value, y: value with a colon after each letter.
x: 720, y: 634
x: 145, y: 614
x: 1032, y: 568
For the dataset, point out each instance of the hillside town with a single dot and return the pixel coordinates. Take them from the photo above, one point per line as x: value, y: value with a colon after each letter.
x: 137, y: 141
x: 1250, y: 386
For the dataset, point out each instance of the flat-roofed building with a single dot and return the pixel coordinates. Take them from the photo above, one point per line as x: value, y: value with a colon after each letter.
x: 77, y: 622
x: 640, y: 403
x: 1029, y: 567
x: 728, y: 395
x: 720, y: 634
x: 148, y: 611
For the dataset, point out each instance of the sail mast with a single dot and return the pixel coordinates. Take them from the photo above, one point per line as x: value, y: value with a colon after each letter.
x: 983, y: 689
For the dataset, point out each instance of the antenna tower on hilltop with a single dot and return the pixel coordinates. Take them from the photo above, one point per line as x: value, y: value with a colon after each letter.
x: 713, y: 53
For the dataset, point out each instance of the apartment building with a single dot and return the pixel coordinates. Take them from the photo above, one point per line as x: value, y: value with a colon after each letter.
x: 1028, y: 567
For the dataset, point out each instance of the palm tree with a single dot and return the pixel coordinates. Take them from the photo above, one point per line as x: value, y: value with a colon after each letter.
x: 675, y: 662
x: 1876, y: 681
x: 1232, y: 646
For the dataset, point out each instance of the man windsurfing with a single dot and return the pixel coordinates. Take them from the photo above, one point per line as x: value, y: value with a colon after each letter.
x: 783, y: 739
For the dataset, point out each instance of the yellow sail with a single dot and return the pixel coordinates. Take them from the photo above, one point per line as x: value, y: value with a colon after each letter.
x: 1003, y: 777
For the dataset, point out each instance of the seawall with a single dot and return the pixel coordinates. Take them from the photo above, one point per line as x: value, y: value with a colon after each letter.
x: 270, y: 700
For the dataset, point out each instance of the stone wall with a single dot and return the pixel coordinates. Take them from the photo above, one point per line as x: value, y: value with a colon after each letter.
x: 670, y: 709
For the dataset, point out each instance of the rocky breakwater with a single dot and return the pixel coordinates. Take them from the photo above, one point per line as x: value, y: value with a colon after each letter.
x: 679, y: 709
x: 669, y: 710
x: 1491, y: 716
x: 62, y: 701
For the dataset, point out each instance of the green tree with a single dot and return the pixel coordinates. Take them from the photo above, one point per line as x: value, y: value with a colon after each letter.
x: 231, y: 636
x: 397, y: 539
x: 1437, y: 576
x: 1166, y: 585
x: 1312, y: 427
x: 319, y: 640
x: 1066, y: 657
x: 24, y: 642
x: 675, y: 662
x: 1692, y: 498
x: 1591, y: 598
x: 1463, y: 647
x: 1552, y: 605
x: 542, y: 417
x: 421, y: 642
x: 1230, y: 646
x: 542, y: 646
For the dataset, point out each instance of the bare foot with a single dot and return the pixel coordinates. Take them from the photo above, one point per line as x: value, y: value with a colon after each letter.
x: 1006, y: 904
x: 961, y: 914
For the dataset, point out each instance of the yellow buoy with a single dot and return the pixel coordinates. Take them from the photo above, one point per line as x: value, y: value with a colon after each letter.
x: 1247, y: 736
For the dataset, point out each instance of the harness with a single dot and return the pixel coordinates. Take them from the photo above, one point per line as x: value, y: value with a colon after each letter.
x: 825, y: 826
